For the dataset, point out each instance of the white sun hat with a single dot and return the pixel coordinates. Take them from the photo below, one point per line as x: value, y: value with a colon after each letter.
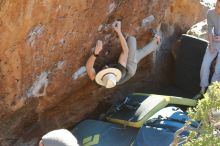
x: 108, y: 77
x: 60, y: 137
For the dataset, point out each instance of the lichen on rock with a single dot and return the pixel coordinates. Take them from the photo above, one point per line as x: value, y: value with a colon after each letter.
x: 39, y: 87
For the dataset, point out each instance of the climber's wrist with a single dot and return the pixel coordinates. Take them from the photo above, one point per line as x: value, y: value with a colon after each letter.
x: 95, y: 54
x: 119, y: 32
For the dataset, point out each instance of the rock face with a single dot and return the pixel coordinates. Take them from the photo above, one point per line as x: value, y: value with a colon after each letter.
x: 44, y: 47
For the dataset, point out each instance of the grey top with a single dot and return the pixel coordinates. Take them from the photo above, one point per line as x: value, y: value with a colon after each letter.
x: 213, y: 20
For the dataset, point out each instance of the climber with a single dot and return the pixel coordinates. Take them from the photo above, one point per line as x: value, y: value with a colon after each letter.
x: 61, y: 137
x: 213, y: 18
x: 130, y: 56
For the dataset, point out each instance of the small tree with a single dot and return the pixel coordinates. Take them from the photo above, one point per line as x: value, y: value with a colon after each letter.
x: 207, y: 134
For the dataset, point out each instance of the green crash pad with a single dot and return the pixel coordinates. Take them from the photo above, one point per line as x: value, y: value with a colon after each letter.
x: 138, y: 108
x: 99, y: 133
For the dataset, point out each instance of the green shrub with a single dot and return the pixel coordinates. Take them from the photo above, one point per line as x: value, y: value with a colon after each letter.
x: 208, y: 132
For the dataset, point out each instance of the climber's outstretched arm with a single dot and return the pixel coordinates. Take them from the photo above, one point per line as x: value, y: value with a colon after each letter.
x: 91, y: 61
x: 124, y: 54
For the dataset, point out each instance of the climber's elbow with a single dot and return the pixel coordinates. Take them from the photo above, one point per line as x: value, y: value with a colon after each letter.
x: 91, y: 72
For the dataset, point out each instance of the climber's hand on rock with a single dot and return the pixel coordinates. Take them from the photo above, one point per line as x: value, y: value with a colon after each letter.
x: 117, y: 26
x: 156, y: 39
x: 98, y: 47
